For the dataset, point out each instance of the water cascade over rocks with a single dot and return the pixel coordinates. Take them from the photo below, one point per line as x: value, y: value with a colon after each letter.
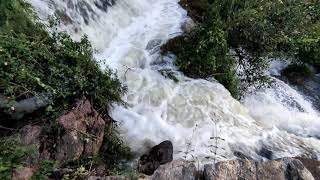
x: 273, y: 123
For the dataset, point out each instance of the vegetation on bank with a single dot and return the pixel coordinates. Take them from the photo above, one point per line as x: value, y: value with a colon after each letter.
x: 52, y: 68
x: 237, y: 38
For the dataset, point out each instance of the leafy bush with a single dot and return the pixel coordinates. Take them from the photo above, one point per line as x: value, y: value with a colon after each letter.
x: 36, y: 63
x: 245, y: 34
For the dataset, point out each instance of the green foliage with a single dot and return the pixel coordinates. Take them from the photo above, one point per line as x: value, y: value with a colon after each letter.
x: 36, y: 63
x: 113, y: 150
x: 45, y: 169
x: 13, y: 155
x: 254, y: 31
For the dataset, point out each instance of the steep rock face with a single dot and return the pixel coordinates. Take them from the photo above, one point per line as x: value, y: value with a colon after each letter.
x: 158, y: 155
x: 175, y: 170
x: 282, y: 169
x: 84, y: 131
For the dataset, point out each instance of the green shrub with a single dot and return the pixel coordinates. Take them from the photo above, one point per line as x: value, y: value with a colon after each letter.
x: 254, y: 31
x: 36, y: 63
x: 13, y: 155
x: 44, y: 170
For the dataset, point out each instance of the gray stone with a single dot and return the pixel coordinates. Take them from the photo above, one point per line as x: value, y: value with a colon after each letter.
x: 282, y: 169
x: 175, y: 170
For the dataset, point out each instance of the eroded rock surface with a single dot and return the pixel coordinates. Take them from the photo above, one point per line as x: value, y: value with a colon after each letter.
x: 282, y: 169
x: 84, y: 131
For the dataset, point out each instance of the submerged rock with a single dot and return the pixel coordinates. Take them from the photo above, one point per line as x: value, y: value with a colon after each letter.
x: 158, y: 155
x: 282, y: 169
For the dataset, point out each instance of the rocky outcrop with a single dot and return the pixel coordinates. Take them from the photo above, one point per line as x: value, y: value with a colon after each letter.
x: 84, y: 131
x: 158, y: 155
x: 282, y: 169
x: 82, y: 135
x: 175, y: 170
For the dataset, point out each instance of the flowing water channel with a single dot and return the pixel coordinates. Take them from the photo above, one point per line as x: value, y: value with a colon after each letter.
x: 195, y: 114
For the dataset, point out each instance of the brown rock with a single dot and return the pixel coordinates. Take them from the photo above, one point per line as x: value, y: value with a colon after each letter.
x: 84, y: 131
x: 175, y: 170
x: 24, y: 173
x: 282, y: 169
x: 70, y: 147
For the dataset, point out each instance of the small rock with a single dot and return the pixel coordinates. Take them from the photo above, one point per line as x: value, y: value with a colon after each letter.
x: 24, y: 173
x: 175, y: 170
x: 188, y: 26
x: 30, y: 135
x: 158, y: 155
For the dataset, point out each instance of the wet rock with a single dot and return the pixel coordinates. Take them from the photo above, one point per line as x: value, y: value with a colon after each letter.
x: 30, y: 135
x: 158, y: 155
x: 24, y: 173
x: 282, y: 169
x: 188, y: 26
x: 84, y: 131
x: 175, y: 170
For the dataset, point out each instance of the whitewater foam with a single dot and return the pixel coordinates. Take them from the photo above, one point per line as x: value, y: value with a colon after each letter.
x: 276, y: 119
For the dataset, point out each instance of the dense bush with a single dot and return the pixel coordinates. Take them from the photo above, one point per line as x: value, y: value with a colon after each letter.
x: 36, y: 63
x: 247, y: 33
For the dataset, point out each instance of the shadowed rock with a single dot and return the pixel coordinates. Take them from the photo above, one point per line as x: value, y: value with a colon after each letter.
x: 158, y: 155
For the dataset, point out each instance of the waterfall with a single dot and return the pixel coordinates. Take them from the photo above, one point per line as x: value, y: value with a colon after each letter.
x: 192, y: 113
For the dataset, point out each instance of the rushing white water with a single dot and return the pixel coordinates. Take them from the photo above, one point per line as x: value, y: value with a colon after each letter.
x: 128, y: 35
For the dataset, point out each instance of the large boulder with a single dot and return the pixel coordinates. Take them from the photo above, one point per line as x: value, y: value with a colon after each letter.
x: 84, y: 131
x: 175, y: 170
x: 158, y: 155
x: 282, y: 169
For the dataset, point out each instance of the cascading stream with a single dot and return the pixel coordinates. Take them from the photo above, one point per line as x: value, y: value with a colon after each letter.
x: 272, y: 123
